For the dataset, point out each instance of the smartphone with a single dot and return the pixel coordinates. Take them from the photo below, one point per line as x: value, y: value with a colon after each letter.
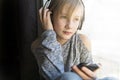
x: 92, y: 67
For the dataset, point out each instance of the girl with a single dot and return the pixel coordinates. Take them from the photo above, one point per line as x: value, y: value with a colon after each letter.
x: 60, y: 48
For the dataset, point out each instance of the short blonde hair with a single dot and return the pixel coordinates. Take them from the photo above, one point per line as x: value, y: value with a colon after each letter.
x: 57, y: 5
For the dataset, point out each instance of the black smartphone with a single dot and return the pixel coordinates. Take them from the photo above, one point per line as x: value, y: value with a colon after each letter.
x: 92, y: 67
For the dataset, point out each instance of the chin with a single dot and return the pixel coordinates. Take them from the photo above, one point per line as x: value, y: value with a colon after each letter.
x: 67, y: 37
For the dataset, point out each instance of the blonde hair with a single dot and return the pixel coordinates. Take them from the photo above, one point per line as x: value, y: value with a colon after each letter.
x: 57, y: 5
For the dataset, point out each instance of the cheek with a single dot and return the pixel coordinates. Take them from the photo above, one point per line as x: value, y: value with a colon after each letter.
x: 76, y: 25
x: 59, y: 24
x: 75, y: 29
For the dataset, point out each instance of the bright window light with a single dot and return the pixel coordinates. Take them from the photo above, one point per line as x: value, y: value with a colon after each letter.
x: 102, y: 25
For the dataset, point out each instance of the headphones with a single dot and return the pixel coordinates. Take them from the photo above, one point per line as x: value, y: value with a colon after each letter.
x: 47, y: 3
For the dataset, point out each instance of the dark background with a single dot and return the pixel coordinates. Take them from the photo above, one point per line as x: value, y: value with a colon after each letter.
x: 19, y: 27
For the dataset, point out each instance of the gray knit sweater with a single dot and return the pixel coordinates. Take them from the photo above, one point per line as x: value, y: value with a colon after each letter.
x: 54, y: 59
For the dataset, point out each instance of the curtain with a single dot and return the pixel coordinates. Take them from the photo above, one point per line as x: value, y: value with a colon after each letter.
x: 29, y: 29
x: 20, y: 27
x: 9, y: 57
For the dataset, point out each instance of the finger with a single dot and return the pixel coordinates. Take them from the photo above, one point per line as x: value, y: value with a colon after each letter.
x: 40, y: 14
x: 49, y: 16
x: 80, y: 73
x: 45, y: 14
x: 49, y: 19
x: 88, y: 72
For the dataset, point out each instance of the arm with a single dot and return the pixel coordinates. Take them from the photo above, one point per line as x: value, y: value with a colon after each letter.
x: 48, y: 54
x: 86, y: 57
x: 47, y: 50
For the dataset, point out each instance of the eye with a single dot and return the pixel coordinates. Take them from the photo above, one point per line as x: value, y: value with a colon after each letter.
x: 76, y: 19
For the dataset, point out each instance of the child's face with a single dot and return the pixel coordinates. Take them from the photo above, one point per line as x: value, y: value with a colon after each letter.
x: 66, y: 25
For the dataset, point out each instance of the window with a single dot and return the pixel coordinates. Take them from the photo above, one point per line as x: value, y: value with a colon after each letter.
x: 102, y: 23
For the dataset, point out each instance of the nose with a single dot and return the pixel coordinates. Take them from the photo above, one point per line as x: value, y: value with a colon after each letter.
x: 70, y: 24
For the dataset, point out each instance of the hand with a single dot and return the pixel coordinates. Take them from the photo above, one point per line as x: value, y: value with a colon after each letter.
x: 84, y: 73
x: 45, y: 18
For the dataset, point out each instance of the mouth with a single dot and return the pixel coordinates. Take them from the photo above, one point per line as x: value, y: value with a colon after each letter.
x: 67, y: 32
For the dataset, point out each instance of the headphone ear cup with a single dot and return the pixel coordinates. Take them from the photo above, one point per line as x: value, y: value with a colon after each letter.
x: 47, y: 3
x: 80, y: 25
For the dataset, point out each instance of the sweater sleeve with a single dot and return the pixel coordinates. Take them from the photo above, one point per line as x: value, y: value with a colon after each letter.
x: 48, y: 53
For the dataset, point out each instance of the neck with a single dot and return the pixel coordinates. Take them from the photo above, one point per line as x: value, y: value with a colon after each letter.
x: 62, y: 41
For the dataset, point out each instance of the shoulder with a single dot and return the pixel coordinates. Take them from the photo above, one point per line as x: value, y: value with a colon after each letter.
x: 86, y: 41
